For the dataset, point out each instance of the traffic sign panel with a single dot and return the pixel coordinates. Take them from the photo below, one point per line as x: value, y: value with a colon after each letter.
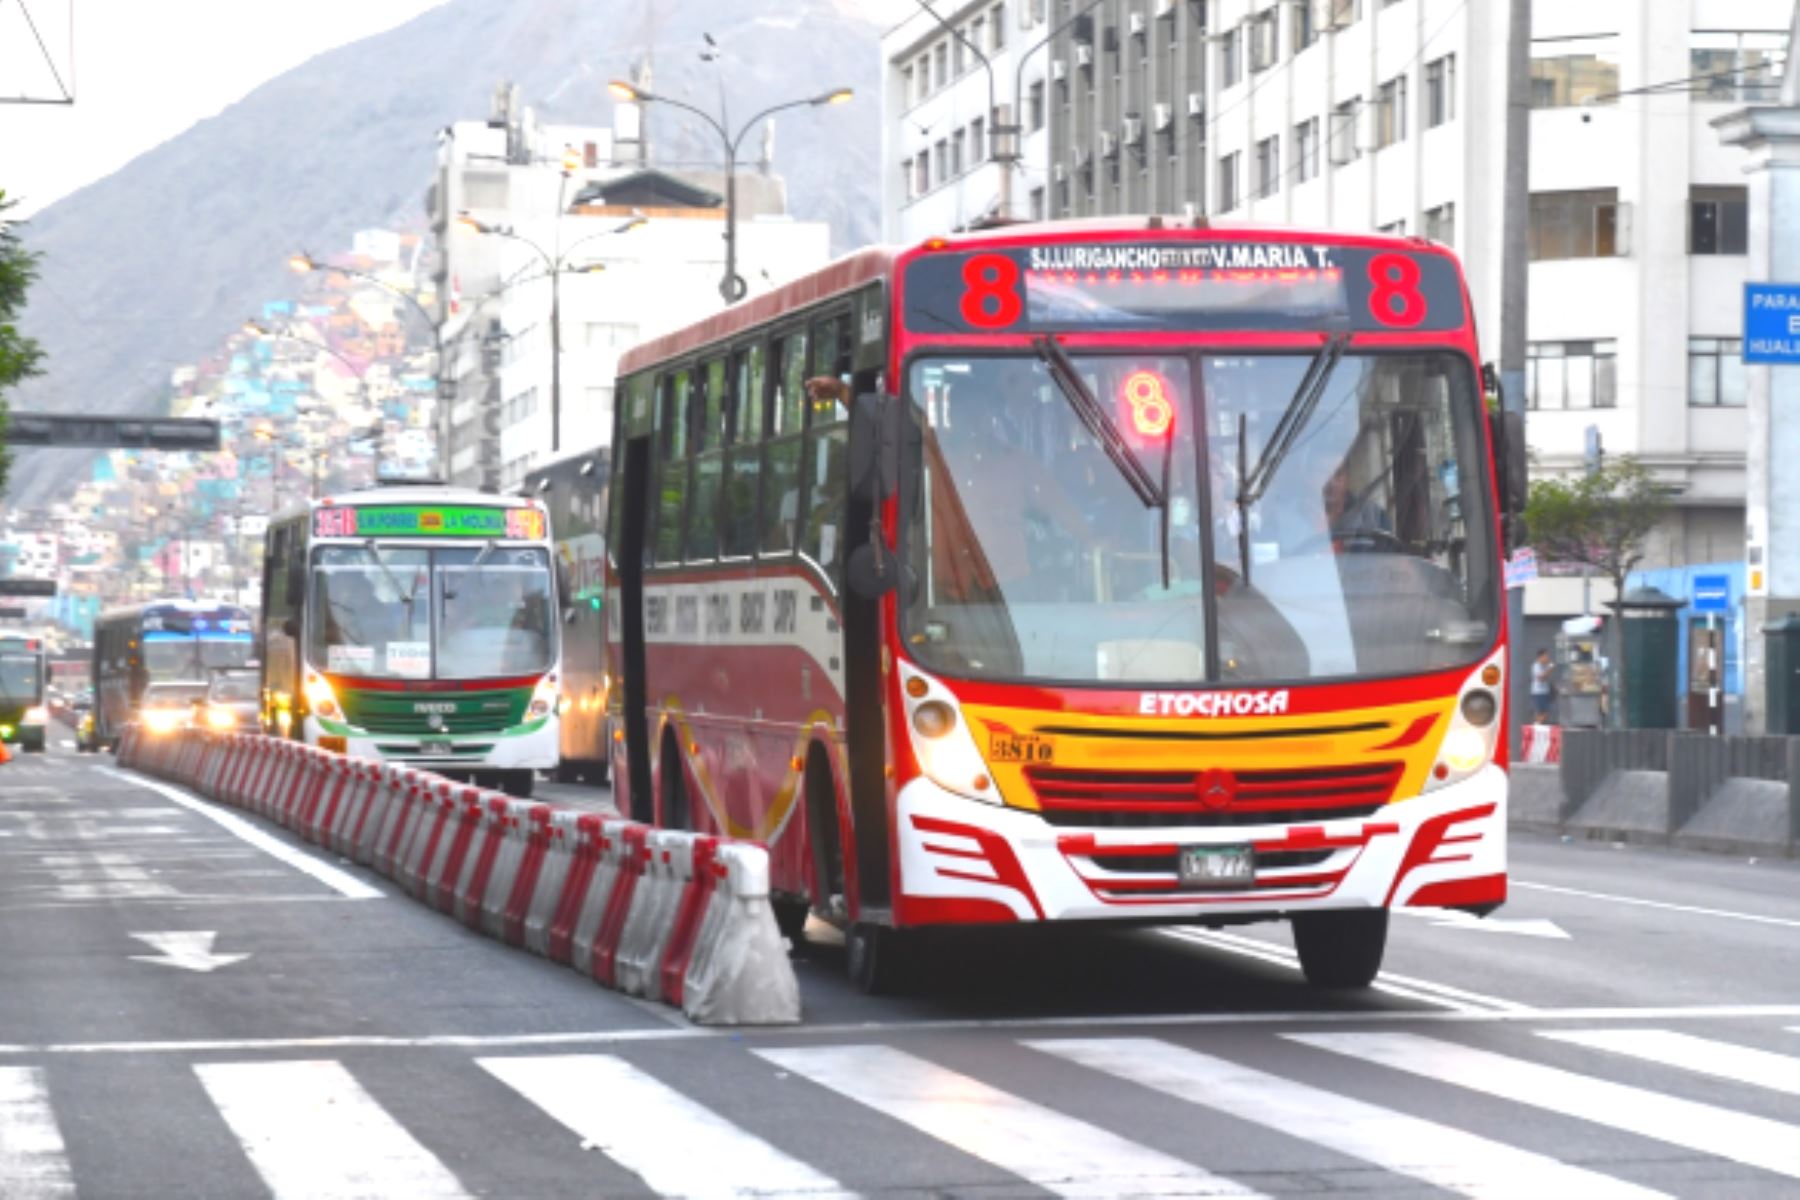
x: 1712, y: 593
x: 1771, y: 323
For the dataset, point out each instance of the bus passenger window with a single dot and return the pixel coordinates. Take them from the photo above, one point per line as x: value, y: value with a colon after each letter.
x: 781, y: 496
x: 831, y: 357
x: 711, y: 409
x: 672, y: 418
x: 790, y: 385
x: 737, y: 532
x: 703, y: 512
x: 671, y: 502
x: 827, y: 472
x: 747, y: 397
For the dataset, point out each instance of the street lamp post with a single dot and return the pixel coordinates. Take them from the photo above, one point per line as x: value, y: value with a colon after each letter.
x: 303, y: 263
x: 555, y: 266
x: 732, y: 286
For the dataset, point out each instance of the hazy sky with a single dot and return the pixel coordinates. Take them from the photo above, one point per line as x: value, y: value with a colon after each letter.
x: 145, y: 70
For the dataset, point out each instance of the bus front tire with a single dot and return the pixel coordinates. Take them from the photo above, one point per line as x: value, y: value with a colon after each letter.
x: 518, y: 784
x: 1341, y: 949
x: 791, y: 913
x: 877, y: 958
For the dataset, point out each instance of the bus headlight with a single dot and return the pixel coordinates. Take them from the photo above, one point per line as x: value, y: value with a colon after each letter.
x: 545, y: 699
x: 222, y: 719
x: 37, y: 715
x: 1464, y: 750
x: 1469, y: 743
x: 161, y: 720
x: 941, y: 740
x: 321, y: 699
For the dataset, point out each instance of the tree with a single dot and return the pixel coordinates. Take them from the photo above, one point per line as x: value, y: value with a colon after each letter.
x: 19, y: 355
x: 1602, y: 519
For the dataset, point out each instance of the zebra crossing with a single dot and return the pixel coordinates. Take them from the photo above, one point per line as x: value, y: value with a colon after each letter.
x: 1528, y: 1112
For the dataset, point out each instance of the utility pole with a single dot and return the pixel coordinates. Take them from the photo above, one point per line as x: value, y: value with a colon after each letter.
x: 1515, y: 277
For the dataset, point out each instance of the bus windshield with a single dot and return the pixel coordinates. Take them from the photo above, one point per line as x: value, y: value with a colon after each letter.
x: 1352, y: 543
x: 448, y: 613
x: 19, y: 679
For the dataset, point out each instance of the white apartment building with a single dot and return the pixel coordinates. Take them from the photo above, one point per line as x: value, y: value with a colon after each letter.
x: 938, y: 134
x: 576, y: 220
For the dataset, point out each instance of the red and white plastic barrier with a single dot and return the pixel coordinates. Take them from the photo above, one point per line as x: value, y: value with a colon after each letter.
x: 1541, y: 744
x: 677, y: 917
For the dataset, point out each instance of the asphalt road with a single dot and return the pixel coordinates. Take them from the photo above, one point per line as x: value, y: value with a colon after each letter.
x: 191, y: 1008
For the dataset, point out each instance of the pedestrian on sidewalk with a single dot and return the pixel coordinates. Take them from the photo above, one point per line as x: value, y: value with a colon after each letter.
x: 1543, y: 688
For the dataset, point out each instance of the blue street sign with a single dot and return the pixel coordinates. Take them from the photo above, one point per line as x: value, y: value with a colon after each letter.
x: 1771, y: 323
x: 1712, y: 593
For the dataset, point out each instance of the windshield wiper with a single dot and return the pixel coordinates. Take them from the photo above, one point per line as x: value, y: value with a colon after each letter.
x: 487, y: 548
x: 1075, y: 390
x: 1293, y: 419
x: 393, y: 581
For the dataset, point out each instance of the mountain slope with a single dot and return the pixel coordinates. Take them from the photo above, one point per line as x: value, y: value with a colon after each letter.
x: 152, y: 265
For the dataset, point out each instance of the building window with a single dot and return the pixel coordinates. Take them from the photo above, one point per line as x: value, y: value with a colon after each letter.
x: 1264, y: 40
x: 1306, y: 150
x: 1744, y: 68
x: 1268, y: 167
x: 1563, y: 375
x: 910, y: 176
x: 1570, y: 71
x: 1228, y: 181
x: 956, y: 152
x: 942, y: 153
x: 907, y: 82
x: 1037, y: 203
x: 978, y: 32
x: 1390, y: 112
x: 997, y: 23
x: 940, y: 55
x: 1036, y: 106
x: 1305, y: 30
x: 1440, y: 224
x: 1231, y: 58
x: 977, y: 141
x: 922, y: 173
x: 1574, y: 224
x: 1392, y: 228
x: 1718, y: 220
x: 959, y: 56
x: 521, y: 407
x: 1340, y: 14
x: 1716, y: 372
x: 1440, y: 91
x: 1343, y: 131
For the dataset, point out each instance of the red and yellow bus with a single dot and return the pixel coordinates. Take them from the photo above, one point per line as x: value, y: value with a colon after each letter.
x: 1127, y: 570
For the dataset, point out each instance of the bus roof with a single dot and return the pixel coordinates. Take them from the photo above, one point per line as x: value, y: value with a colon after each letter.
x: 877, y: 262
x: 178, y: 603
x: 419, y: 494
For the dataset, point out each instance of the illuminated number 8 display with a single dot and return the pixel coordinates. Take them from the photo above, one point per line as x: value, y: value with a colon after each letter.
x: 990, y: 298
x: 1151, y: 411
x: 1396, y: 299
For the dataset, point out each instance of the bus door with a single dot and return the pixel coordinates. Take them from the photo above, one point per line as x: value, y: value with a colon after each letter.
x: 632, y: 491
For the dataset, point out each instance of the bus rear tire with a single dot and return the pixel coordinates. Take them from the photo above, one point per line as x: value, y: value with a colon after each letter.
x: 567, y: 771
x: 1341, y: 949
x: 674, y: 807
x: 791, y: 914
x: 518, y: 784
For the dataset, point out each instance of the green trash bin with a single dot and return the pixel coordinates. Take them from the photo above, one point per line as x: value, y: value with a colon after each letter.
x: 1781, y: 674
x: 1652, y: 643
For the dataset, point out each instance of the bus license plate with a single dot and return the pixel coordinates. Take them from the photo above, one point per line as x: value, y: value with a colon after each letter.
x: 1019, y: 748
x: 1217, y: 866
x: 439, y: 746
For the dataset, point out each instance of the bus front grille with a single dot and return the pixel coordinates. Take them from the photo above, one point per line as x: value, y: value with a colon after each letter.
x: 1211, y: 797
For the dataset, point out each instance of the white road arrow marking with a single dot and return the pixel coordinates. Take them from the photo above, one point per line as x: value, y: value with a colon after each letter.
x: 1536, y: 927
x: 189, y: 950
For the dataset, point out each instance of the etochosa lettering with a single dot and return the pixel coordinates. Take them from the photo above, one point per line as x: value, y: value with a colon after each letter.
x: 1213, y: 704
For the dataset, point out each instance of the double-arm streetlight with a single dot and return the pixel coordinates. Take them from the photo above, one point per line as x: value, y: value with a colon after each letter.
x: 556, y: 265
x: 732, y: 287
x: 303, y: 263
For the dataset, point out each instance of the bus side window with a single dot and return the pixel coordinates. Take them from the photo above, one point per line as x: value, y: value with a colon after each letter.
x: 709, y: 464
x: 781, y: 466
x: 827, y: 442
x: 671, y: 491
x: 738, y: 534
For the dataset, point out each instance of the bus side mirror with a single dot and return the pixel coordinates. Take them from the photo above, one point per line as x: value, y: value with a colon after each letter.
x: 291, y: 627
x: 564, y: 597
x: 873, y: 571
x: 874, y: 447
x: 1512, y: 476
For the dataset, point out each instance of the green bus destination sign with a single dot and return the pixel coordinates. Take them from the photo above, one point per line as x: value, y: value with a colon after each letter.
x: 428, y: 520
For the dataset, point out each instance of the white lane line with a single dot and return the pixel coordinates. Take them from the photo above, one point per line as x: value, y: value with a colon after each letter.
x: 601, y: 1037
x: 346, y: 885
x: 1439, y: 1155
x: 1040, y: 1145
x: 1405, y: 986
x: 33, y: 1163
x: 1721, y: 1132
x: 312, y: 1132
x: 1740, y: 1064
x: 678, y: 1147
x: 1640, y: 902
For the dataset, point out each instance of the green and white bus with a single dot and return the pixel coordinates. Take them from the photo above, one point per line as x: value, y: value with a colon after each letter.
x: 23, y: 716
x: 416, y: 624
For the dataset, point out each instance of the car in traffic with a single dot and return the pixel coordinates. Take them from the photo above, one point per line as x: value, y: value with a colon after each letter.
x: 232, y: 703
x: 170, y: 705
